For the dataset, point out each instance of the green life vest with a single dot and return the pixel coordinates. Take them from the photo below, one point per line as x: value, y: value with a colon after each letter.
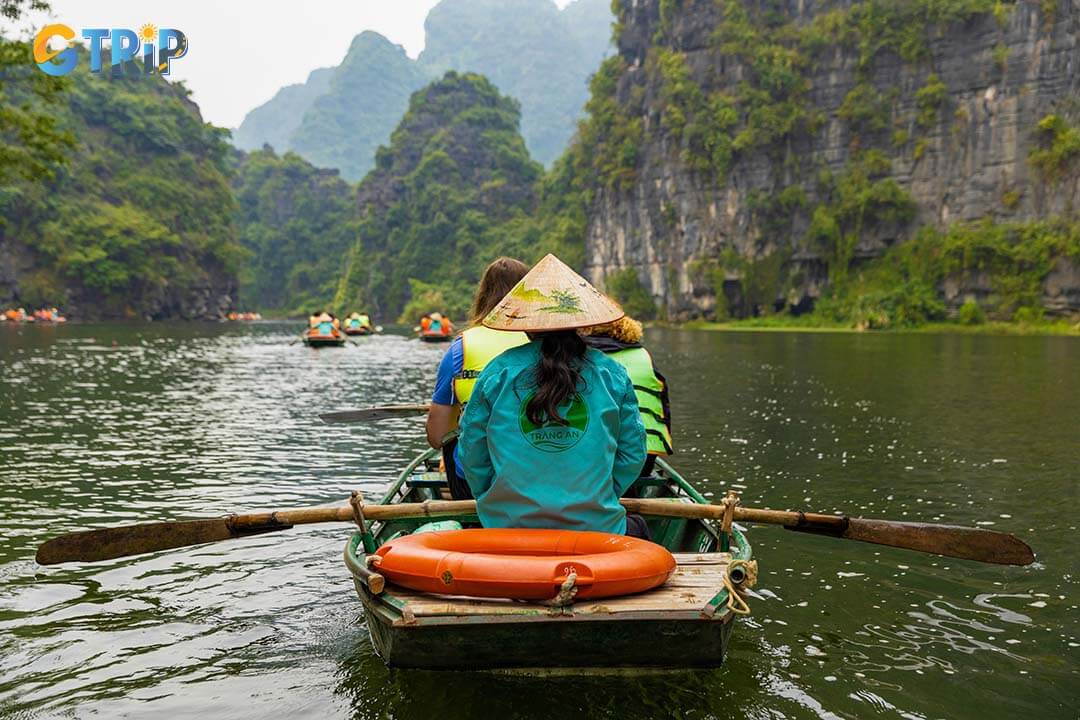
x: 479, y: 346
x: 649, y: 390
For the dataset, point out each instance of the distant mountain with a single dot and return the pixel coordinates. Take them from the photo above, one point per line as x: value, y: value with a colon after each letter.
x: 368, y: 94
x: 530, y: 49
x: 274, y: 122
x: 589, y: 22
x: 433, y: 209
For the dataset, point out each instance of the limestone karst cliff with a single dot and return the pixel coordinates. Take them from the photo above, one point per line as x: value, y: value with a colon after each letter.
x: 751, y: 154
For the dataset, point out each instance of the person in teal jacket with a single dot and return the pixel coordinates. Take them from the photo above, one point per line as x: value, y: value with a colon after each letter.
x: 552, y: 435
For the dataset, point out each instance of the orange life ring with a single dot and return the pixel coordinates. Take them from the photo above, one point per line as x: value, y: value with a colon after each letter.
x: 523, y: 564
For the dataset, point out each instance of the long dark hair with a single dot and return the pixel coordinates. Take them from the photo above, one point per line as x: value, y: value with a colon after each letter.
x: 499, y: 278
x: 557, y: 375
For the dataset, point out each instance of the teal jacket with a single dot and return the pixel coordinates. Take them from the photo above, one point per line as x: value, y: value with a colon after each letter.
x: 564, y: 477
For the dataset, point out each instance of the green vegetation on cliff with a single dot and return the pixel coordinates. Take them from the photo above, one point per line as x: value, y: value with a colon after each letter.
x: 900, y: 289
x: 762, y: 129
x: 454, y: 188
x: 31, y: 143
x: 139, y: 222
x: 298, y: 222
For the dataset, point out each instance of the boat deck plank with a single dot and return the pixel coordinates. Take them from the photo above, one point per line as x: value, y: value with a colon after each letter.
x: 698, y: 578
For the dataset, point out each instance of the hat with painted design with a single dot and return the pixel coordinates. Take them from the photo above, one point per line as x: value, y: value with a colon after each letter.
x: 552, y: 297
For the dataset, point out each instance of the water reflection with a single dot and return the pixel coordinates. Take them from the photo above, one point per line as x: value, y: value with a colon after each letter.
x: 107, y: 424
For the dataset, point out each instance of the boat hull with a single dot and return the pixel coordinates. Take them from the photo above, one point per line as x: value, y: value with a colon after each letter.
x: 436, y: 338
x: 547, y: 643
x: 355, y: 331
x: 318, y: 342
x: 684, y: 624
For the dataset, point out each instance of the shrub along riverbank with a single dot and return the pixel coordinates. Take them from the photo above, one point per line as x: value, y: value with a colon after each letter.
x: 811, y: 323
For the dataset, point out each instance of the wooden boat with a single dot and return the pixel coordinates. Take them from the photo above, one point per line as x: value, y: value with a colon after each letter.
x: 357, y: 331
x: 692, y: 612
x: 435, y: 337
x: 315, y: 340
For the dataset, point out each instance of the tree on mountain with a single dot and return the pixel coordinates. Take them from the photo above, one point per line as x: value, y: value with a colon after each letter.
x: 31, y: 143
x: 436, y: 207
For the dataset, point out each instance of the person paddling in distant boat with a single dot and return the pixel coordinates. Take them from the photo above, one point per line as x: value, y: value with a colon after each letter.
x: 463, y: 362
x: 436, y: 324
x: 325, y: 324
x: 358, y: 321
x: 552, y: 436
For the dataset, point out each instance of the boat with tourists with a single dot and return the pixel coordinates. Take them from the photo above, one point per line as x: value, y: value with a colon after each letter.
x: 435, y: 328
x: 357, y: 331
x: 313, y: 338
x: 694, y: 609
x: 358, y: 324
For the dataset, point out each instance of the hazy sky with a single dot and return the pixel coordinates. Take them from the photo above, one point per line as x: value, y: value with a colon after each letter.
x: 242, y: 51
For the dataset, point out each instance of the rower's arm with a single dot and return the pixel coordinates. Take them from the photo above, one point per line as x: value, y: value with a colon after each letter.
x: 443, y: 416
x: 441, y: 419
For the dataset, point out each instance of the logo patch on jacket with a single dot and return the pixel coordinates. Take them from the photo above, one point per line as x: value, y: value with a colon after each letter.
x: 551, y: 436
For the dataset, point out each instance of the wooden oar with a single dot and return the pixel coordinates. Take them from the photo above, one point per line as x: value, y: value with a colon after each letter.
x: 978, y: 544
x: 371, y: 414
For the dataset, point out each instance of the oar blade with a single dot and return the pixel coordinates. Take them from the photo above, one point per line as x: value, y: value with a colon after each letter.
x: 117, y: 542
x: 989, y: 546
x: 373, y: 414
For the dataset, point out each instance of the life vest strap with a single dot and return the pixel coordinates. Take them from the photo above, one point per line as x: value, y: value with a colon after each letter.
x: 655, y: 393
x: 667, y: 446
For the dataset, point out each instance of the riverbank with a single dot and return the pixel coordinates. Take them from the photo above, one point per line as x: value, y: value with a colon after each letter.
x: 816, y: 325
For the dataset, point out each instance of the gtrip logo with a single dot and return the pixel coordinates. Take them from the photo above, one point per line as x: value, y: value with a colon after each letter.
x: 157, y: 47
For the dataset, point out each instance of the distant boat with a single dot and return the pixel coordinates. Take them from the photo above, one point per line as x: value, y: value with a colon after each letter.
x: 312, y: 338
x: 435, y: 328
x: 358, y: 330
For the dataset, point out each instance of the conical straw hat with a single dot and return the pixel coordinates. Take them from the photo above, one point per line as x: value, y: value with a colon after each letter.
x: 552, y: 297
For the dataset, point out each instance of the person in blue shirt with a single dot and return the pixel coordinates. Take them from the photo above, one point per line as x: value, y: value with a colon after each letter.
x: 468, y: 354
x: 552, y: 435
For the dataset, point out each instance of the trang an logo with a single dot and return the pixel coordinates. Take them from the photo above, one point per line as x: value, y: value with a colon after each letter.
x: 155, y: 47
x: 553, y: 437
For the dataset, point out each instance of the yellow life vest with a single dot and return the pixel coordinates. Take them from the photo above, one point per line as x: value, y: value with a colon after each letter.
x: 480, y: 345
x: 649, y: 390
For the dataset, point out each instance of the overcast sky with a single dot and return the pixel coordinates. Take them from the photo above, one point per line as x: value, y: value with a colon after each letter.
x: 242, y: 51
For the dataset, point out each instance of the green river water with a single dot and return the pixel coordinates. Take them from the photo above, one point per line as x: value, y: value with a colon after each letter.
x: 108, y: 424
